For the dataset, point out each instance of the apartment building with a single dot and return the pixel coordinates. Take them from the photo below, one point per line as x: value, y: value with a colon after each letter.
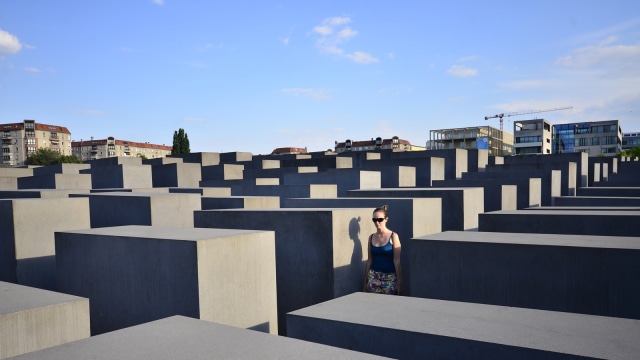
x: 496, y: 141
x: 93, y: 149
x: 395, y: 144
x: 20, y: 140
x: 630, y: 140
x: 596, y: 138
x: 532, y: 137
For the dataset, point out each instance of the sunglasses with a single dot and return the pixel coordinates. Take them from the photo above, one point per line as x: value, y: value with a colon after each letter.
x: 377, y: 219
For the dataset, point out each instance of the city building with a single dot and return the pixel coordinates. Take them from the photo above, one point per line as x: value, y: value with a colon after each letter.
x: 597, y: 138
x: 289, y: 150
x: 494, y: 140
x: 532, y: 137
x: 110, y: 147
x: 630, y: 140
x: 394, y: 144
x: 20, y: 140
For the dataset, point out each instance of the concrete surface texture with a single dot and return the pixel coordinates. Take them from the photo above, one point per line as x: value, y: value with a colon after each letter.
x: 528, y: 191
x: 320, y: 253
x: 55, y: 181
x: 176, y: 175
x: 345, y: 179
x: 141, y: 208
x: 135, y: 274
x: 411, y: 328
x: 460, y: 206
x: 27, y: 251
x: 180, y: 337
x: 240, y: 202
x: 578, y: 222
x: 33, y: 319
x: 119, y: 175
x: 594, y: 275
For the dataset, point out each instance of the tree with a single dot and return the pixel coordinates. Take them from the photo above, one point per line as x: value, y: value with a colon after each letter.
x: 180, y: 142
x: 632, y: 153
x: 49, y: 157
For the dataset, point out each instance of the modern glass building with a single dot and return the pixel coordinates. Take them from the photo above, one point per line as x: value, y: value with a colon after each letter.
x: 497, y: 142
x: 597, y: 138
x: 630, y: 140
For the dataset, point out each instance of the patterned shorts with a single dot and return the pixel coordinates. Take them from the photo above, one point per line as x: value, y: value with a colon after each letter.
x: 381, y: 283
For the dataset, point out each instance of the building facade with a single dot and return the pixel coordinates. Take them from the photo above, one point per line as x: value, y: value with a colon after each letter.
x: 394, y: 144
x: 110, y: 147
x: 20, y: 140
x: 497, y: 142
x: 532, y: 137
x: 596, y: 138
x: 630, y: 140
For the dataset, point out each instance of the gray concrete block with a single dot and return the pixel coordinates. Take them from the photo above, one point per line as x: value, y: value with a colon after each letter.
x: 345, y: 179
x: 596, y: 275
x: 528, y: 191
x: 202, y: 158
x: 221, y: 172
x: 287, y: 191
x: 477, y: 160
x: 235, y: 157
x: 114, y: 161
x: 27, y: 252
x: 180, y: 337
x: 319, y: 252
x: 240, y: 202
x: 136, y: 274
x: 163, y: 161
x: 60, y: 169
x: 55, y: 181
x: 550, y: 181
x: 411, y: 328
x: 41, y: 193
x: 456, y: 161
x: 120, y: 176
x: 141, y: 208
x: 33, y: 319
x: 409, y: 217
x: 460, y: 206
x: 568, y: 171
x: 8, y: 183
x: 277, y: 172
x: 176, y: 175
x: 204, y: 191
x: 610, y: 191
x: 600, y: 201
x: 322, y: 163
x: 16, y: 171
x: 556, y: 162
x: 496, y: 196
x: 611, y: 223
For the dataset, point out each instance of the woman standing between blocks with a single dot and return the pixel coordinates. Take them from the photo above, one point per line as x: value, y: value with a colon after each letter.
x: 382, y: 273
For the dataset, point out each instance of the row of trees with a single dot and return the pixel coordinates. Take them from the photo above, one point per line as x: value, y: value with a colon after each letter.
x: 49, y: 157
x: 632, y: 153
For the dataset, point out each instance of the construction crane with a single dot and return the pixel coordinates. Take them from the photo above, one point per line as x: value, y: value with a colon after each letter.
x: 500, y: 116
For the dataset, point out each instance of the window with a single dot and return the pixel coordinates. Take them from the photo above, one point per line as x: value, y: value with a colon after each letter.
x: 31, y: 149
x: 30, y: 133
x: 6, y: 150
x: 595, y: 141
x: 6, y: 157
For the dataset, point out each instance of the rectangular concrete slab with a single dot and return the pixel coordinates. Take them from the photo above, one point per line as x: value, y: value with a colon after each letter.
x: 27, y: 227
x: 319, y: 252
x: 204, y: 191
x: 120, y: 176
x: 240, y: 202
x: 176, y: 175
x: 460, y: 206
x: 56, y: 181
x: 611, y: 223
x: 40, y: 193
x: 136, y: 274
x: 412, y: 328
x: 596, y: 275
x: 33, y: 319
x: 345, y: 179
x: 142, y: 208
x: 180, y: 337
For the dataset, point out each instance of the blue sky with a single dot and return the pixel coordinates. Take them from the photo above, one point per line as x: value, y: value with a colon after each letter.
x: 257, y: 75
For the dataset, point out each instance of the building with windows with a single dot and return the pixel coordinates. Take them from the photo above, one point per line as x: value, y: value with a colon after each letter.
x: 496, y: 141
x: 597, y: 138
x: 394, y: 144
x: 20, y: 140
x: 630, y: 140
x: 532, y: 137
x: 110, y: 147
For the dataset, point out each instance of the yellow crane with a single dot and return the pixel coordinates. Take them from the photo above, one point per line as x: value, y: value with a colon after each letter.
x: 500, y: 116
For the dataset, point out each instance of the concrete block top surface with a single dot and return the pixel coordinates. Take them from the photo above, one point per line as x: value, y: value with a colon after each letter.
x: 569, y: 333
x: 566, y: 213
x: 15, y: 298
x: 582, y: 241
x: 180, y: 337
x: 162, y: 193
x: 160, y: 232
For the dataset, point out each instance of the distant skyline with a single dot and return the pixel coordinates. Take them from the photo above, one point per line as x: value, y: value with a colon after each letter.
x: 254, y: 76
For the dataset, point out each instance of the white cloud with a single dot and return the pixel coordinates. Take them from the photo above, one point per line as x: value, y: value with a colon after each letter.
x: 90, y: 112
x: 362, y: 57
x: 462, y: 71
x: 32, y: 70
x: 9, y: 44
x: 333, y: 34
x: 604, y: 54
x: 158, y: 2
x: 316, y: 94
x: 529, y: 84
x: 468, y: 58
